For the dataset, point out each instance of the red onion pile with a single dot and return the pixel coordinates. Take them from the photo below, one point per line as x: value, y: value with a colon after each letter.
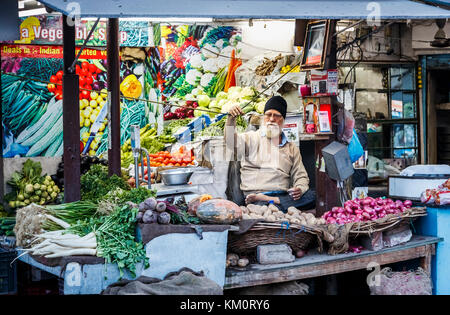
x: 367, y: 209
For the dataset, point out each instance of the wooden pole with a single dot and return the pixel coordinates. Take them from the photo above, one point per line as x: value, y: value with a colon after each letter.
x: 2, y: 179
x: 113, y: 96
x: 71, y: 117
x: 326, y: 188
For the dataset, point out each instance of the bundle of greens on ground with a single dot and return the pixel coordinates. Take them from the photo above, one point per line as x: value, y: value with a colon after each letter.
x: 96, y: 183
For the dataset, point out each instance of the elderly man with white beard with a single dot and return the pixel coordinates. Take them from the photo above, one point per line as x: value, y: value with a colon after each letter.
x: 271, y: 167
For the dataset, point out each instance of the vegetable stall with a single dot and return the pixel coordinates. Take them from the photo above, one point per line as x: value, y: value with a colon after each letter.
x: 177, y: 85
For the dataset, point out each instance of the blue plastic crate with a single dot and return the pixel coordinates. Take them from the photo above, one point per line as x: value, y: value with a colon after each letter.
x: 199, y: 123
x: 183, y: 135
x: 8, y: 272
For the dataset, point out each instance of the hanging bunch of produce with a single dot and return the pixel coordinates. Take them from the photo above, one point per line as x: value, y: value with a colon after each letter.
x: 29, y: 185
x: 268, y: 65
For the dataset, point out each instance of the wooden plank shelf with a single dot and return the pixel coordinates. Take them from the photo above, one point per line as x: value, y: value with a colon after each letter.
x: 315, y: 136
x: 317, y: 265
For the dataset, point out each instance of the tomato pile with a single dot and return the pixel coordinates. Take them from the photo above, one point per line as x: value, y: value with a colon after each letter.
x: 87, y: 80
x: 182, y: 157
x: 55, y: 86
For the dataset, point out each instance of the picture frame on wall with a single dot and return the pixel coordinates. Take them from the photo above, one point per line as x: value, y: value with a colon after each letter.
x: 315, y: 45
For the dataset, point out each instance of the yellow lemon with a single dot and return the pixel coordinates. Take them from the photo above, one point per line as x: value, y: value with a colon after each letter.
x: 85, y: 102
x: 81, y: 122
x: 104, y: 93
x: 102, y: 127
x: 93, y: 103
x: 86, y: 112
x: 85, y: 136
x: 93, y: 95
x: 87, y: 122
x: 91, y: 152
x: 99, y: 99
x: 92, y: 118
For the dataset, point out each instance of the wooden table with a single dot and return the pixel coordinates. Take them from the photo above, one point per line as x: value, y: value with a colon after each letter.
x: 316, y: 265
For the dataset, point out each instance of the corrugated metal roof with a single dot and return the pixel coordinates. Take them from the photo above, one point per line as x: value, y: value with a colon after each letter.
x: 237, y: 9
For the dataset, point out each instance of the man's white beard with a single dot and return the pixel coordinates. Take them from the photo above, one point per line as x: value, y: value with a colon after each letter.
x: 271, y: 130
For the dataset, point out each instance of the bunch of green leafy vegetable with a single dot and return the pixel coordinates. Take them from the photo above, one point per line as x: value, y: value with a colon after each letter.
x: 115, y: 234
x: 174, y: 125
x: 217, y: 129
x: 210, y: 88
x: 96, y: 183
x: 183, y: 87
x: 135, y: 195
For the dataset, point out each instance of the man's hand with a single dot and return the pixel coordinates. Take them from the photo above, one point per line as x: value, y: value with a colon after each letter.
x: 236, y: 111
x: 295, y: 193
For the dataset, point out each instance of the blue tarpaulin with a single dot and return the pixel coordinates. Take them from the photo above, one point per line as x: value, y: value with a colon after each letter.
x: 235, y: 9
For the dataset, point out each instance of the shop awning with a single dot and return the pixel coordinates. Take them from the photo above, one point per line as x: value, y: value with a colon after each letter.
x: 257, y: 9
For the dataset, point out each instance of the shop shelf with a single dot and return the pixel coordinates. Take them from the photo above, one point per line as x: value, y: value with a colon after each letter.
x: 8, y: 272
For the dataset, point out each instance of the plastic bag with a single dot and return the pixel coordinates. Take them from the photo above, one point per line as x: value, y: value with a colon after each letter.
x: 355, y: 149
x: 402, y: 283
x: 346, y: 123
x: 439, y: 196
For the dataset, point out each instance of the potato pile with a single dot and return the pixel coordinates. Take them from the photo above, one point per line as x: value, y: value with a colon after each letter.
x: 234, y: 260
x: 271, y: 213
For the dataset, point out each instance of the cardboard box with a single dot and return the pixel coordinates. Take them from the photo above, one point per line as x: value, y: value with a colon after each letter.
x: 292, y: 128
x: 324, y: 82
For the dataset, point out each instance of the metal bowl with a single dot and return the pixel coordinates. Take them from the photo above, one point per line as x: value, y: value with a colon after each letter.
x: 176, y: 176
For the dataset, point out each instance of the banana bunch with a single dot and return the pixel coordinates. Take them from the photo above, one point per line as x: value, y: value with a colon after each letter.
x: 288, y: 68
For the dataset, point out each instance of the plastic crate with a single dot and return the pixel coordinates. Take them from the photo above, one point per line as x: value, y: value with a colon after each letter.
x: 8, y: 272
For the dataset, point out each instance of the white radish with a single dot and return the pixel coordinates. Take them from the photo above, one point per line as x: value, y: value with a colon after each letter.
x: 72, y: 252
x: 58, y: 221
x: 76, y: 244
